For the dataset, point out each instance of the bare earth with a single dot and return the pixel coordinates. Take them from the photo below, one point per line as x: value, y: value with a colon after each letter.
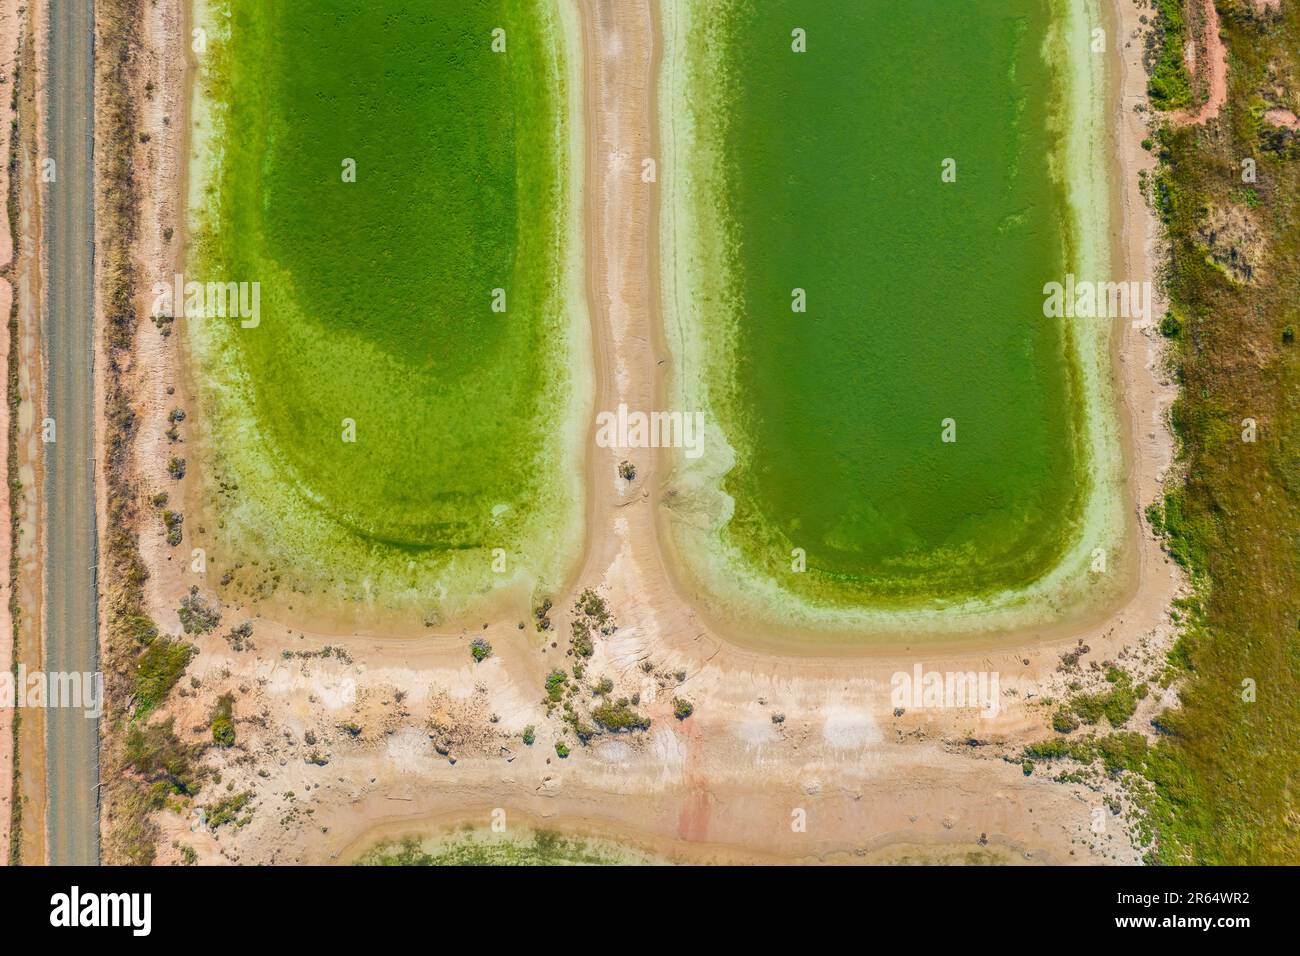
x: 401, y: 732
x: 22, y: 33
x: 1206, y: 23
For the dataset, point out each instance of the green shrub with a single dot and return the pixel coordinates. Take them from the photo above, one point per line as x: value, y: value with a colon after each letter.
x: 1126, y: 751
x: 1119, y: 705
x: 555, y: 684
x: 158, y: 669
x: 197, y: 615
x: 158, y: 755
x: 1064, y: 722
x: 173, y: 522
x: 1169, y: 86
x: 1048, y: 750
x: 226, y: 810
x: 582, y: 643
x: 619, y: 716
x: 223, y: 723
x: 1088, y: 707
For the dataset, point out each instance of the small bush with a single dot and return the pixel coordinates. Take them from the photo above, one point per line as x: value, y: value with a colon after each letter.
x: 481, y: 649
x: 555, y: 684
x: 158, y: 669
x: 172, y: 521
x: 1064, y: 722
x: 197, y: 615
x: 682, y: 708
x: 619, y: 716
x: 223, y: 723
x: 582, y: 643
x: 158, y: 755
x: 227, y: 809
x: 1089, y: 708
x: 1047, y: 750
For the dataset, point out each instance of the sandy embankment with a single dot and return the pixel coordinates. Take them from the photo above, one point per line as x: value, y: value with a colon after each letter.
x: 339, y: 750
x: 10, y: 26
x: 24, y: 25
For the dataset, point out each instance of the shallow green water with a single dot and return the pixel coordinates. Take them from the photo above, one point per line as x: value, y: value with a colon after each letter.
x: 923, y: 297
x: 377, y: 295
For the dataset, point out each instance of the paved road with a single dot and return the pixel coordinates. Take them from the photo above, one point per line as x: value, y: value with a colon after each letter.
x: 72, y: 756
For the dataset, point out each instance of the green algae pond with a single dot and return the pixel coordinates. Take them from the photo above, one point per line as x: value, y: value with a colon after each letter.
x: 867, y: 202
x: 402, y: 182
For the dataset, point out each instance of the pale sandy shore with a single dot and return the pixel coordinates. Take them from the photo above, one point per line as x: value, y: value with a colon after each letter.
x: 795, y: 756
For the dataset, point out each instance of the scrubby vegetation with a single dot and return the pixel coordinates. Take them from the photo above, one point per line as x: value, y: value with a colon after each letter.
x: 228, y: 810
x: 157, y: 671
x: 159, y: 758
x: 1116, y: 705
x: 144, y: 763
x: 1224, y: 767
x: 581, y: 641
x: 1064, y: 721
x: 223, y: 721
x: 173, y: 522
x: 480, y: 649
x: 16, y: 491
x: 545, y: 848
x: 556, y: 682
x: 618, y: 716
x: 197, y: 615
x: 1119, y: 751
x: 1170, y: 87
x: 240, y: 637
x: 593, y: 607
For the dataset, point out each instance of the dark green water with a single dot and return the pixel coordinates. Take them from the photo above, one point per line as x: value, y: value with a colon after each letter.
x: 924, y: 298
x: 377, y: 294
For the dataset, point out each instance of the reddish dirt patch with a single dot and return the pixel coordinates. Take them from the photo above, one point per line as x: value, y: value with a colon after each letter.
x: 1216, y: 56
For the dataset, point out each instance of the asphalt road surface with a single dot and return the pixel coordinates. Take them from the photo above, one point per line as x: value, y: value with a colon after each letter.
x: 72, y: 756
